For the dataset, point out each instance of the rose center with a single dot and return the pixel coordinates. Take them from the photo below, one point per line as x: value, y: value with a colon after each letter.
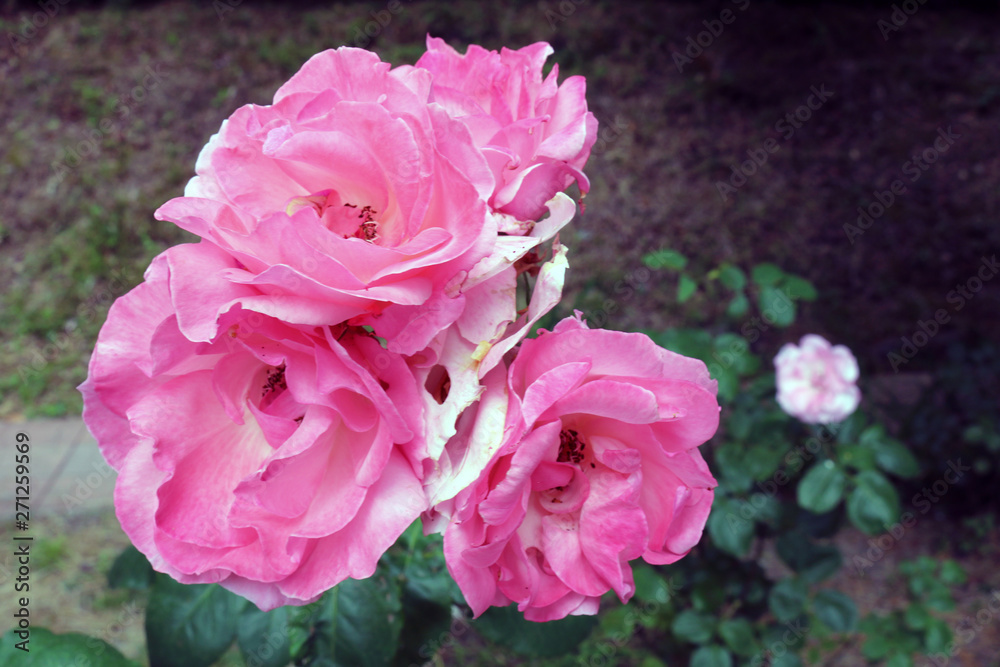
x: 275, y: 382
x: 347, y: 219
x: 572, y: 448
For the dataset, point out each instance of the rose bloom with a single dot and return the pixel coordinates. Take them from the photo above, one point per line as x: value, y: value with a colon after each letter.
x: 817, y: 381
x: 273, y: 459
x: 348, y: 195
x: 599, y: 466
x: 354, y: 199
x: 536, y: 134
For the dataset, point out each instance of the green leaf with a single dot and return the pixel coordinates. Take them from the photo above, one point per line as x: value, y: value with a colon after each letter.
x: 786, y: 660
x: 856, y: 456
x: 738, y: 635
x: 739, y: 422
x: 190, y: 625
x: 729, y: 382
x: 708, y: 595
x: 424, y: 572
x: 738, y: 306
x: 428, y: 593
x: 734, y: 351
x: 873, y: 504
x: 47, y: 649
x: 899, y: 660
x: 876, y: 646
x: 835, y: 610
x: 650, y: 586
x: 264, y: 637
x: 952, y: 573
x: 812, y: 562
x: 358, y: 621
x: 886, y: 636
x: 696, y: 343
x: 849, y: 429
x: 693, y: 627
x: 821, y: 489
x: 937, y: 636
x: 766, y: 508
x: 427, y: 626
x: 917, y: 616
x: 729, y: 460
x: 763, y: 459
x: 730, y: 531
x: 766, y: 274
x: 776, y: 307
x: 665, y: 259
x: 618, y: 621
x: 711, y: 656
x: 799, y: 288
x: 940, y: 601
x: 732, y: 277
x: 131, y: 570
x: 686, y: 288
x: 506, y: 626
x: 787, y: 599
x: 893, y: 456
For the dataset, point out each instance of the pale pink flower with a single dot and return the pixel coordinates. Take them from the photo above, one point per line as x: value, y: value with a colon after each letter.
x: 817, y: 381
x: 536, y: 134
x: 598, y: 466
x: 274, y: 459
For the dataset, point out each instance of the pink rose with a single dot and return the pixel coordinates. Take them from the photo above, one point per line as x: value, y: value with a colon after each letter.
x: 817, y: 381
x: 599, y: 465
x: 349, y: 197
x: 535, y: 133
x: 271, y: 458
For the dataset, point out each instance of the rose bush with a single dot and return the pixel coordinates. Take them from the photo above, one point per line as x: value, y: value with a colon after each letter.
x: 274, y: 459
x: 599, y: 466
x: 817, y: 381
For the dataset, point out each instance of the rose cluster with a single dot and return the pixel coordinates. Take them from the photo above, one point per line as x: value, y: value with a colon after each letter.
x: 343, y: 351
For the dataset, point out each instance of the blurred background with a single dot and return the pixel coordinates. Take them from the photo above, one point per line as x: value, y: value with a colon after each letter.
x: 854, y: 144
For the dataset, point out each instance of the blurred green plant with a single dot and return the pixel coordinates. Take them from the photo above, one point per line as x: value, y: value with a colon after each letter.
x: 896, y: 636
